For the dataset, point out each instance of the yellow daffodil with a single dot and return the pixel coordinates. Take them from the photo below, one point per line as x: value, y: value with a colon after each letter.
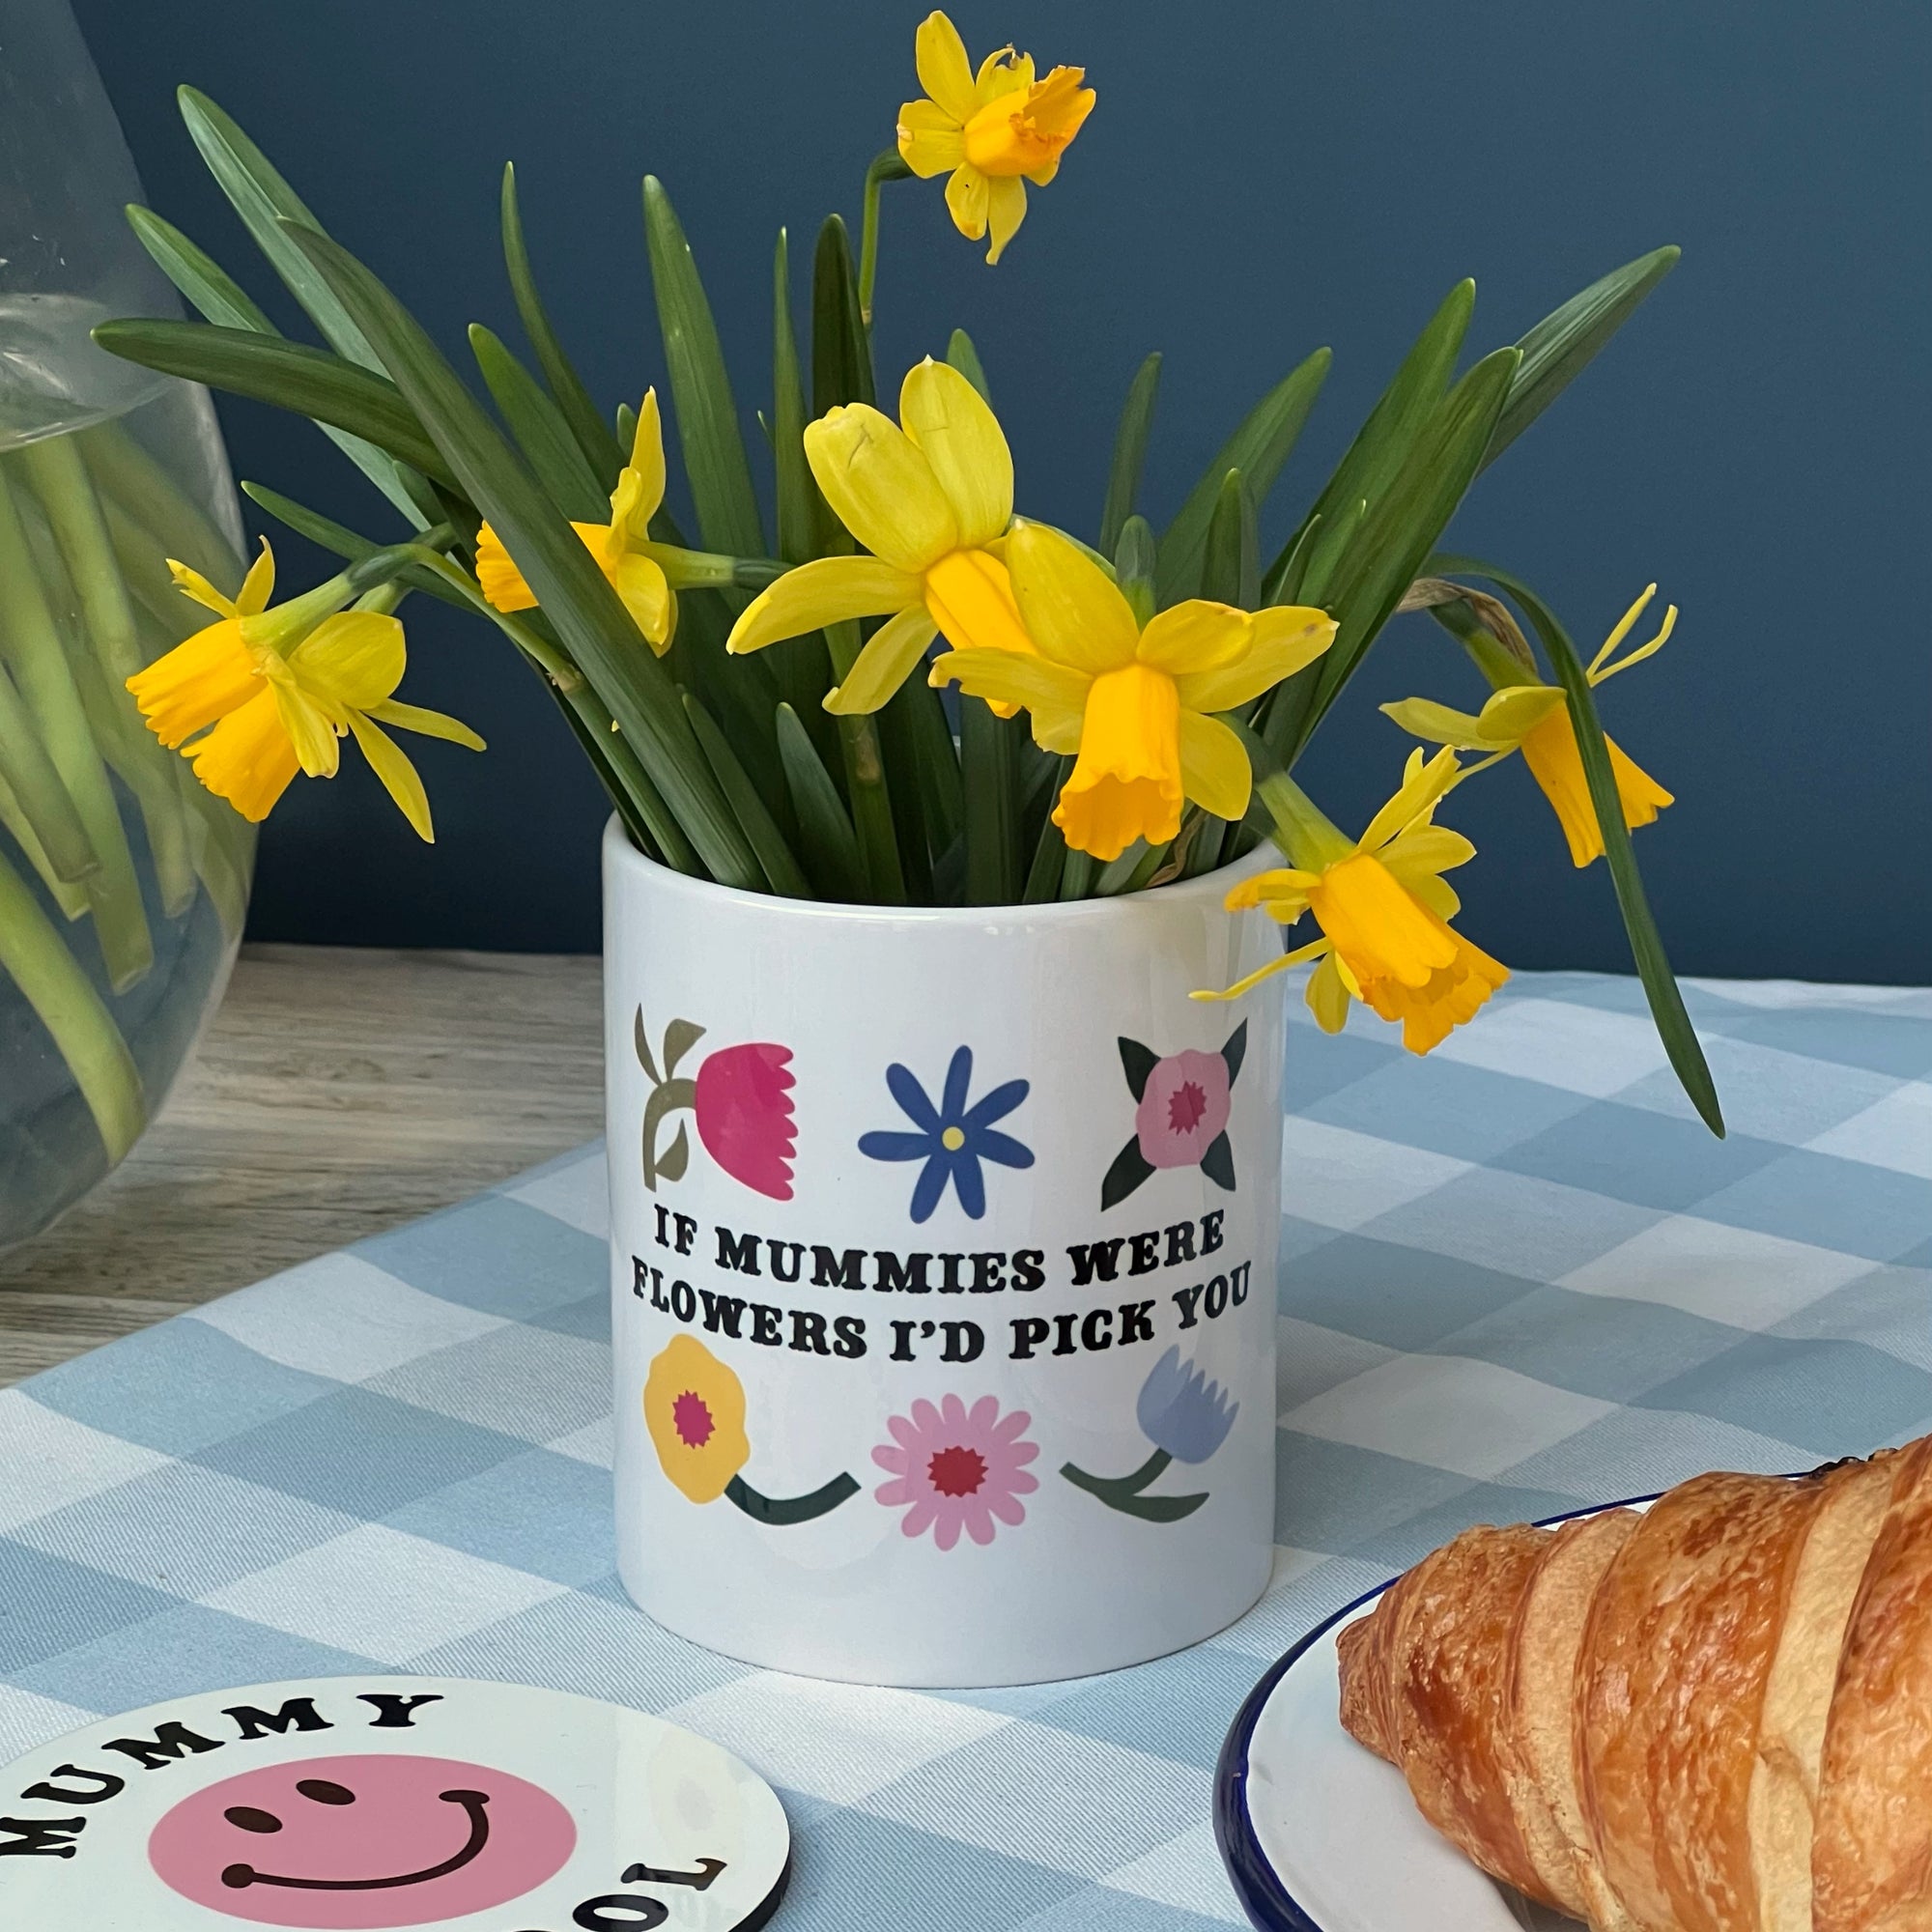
x: 1535, y: 719
x: 1383, y: 908
x: 1134, y: 702
x: 694, y: 1408
x: 926, y: 495
x: 280, y: 688
x: 992, y: 133
x: 623, y: 548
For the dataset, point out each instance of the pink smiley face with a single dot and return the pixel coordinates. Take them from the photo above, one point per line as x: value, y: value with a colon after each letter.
x: 346, y: 1844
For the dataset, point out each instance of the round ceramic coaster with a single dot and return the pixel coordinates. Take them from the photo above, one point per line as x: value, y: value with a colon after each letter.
x: 348, y: 1804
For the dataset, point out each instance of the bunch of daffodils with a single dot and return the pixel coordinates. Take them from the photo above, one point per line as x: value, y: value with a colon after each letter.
x: 908, y: 686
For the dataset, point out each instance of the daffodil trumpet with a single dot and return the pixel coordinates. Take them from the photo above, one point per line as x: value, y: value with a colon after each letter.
x: 1534, y: 719
x: 1382, y: 905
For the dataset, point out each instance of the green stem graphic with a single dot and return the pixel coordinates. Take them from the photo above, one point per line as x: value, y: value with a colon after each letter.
x: 781, y: 1511
x: 1124, y: 1493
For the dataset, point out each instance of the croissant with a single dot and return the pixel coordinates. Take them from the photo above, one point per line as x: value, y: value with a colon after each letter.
x: 1712, y: 1716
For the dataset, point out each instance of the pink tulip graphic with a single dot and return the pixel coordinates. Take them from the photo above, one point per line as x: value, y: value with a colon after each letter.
x: 741, y: 1098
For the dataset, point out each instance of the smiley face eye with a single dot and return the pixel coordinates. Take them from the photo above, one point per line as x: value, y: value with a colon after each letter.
x: 246, y: 1818
x: 321, y: 1791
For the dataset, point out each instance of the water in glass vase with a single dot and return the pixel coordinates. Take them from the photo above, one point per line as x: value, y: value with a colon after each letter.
x: 122, y: 884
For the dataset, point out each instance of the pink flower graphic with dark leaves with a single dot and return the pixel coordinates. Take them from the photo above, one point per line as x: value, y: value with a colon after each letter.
x: 955, y: 1468
x: 742, y: 1100
x: 1184, y: 1108
x: 1182, y: 1105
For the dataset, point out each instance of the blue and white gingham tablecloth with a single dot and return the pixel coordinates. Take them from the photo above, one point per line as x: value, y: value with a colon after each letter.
x: 1515, y: 1277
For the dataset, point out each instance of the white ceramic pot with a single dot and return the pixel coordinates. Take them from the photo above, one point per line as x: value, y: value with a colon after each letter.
x: 943, y: 1258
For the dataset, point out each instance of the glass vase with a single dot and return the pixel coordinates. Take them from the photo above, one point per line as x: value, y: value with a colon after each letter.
x: 122, y: 884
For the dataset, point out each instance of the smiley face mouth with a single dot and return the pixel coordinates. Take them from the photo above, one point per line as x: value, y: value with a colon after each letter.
x: 240, y: 1877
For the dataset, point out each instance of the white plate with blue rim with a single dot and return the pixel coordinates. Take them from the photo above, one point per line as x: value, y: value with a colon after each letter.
x: 1319, y: 1834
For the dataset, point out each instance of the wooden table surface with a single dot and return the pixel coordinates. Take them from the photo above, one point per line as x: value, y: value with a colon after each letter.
x: 338, y: 1091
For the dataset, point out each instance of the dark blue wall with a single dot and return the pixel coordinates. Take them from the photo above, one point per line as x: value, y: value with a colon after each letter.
x: 1258, y: 178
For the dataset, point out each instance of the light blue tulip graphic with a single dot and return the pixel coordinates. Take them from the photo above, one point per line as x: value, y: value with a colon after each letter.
x: 1187, y: 1418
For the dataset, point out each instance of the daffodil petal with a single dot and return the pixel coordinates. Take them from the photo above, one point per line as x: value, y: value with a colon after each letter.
x: 1280, y: 641
x: 191, y: 583
x: 1422, y: 789
x: 1514, y: 712
x: 310, y: 728
x: 959, y: 435
x: 639, y: 582
x: 400, y: 779
x: 1424, y: 850
x: 429, y: 724
x: 1283, y: 883
x: 1214, y: 768
x: 1301, y: 954
x: 1440, y: 725
x: 939, y: 55
x: 829, y: 591
x: 259, y: 585
x: 356, y: 658
x: 1329, y: 995
x: 647, y: 461
x: 1001, y: 73
x: 248, y: 758
x: 930, y: 140
x: 881, y: 487
x: 966, y: 197
x: 1197, y: 636
x: 1006, y: 210
x: 887, y: 660
x: 1073, y: 613
x: 1054, y: 697
x: 1437, y: 894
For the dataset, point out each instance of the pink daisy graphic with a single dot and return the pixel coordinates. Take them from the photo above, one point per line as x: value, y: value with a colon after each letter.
x: 955, y: 1468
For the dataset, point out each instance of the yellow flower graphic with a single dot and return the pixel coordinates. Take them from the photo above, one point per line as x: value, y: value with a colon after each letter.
x: 623, y: 548
x: 694, y: 1408
x: 1383, y: 908
x: 992, y: 133
x: 1535, y: 719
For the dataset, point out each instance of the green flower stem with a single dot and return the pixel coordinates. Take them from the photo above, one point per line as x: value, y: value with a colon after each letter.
x: 222, y: 847
x: 137, y: 758
x: 780, y: 1511
x: 138, y: 551
x: 127, y: 474
x: 866, y: 779
x: 31, y: 644
x: 54, y: 835
x: 886, y: 166
x: 1124, y: 1493
x: 640, y: 803
x: 33, y: 955
x: 129, y: 750
x: 67, y: 894
x: 60, y: 480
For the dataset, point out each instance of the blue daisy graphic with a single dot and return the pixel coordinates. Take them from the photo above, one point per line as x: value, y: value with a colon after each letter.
x: 952, y: 1138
